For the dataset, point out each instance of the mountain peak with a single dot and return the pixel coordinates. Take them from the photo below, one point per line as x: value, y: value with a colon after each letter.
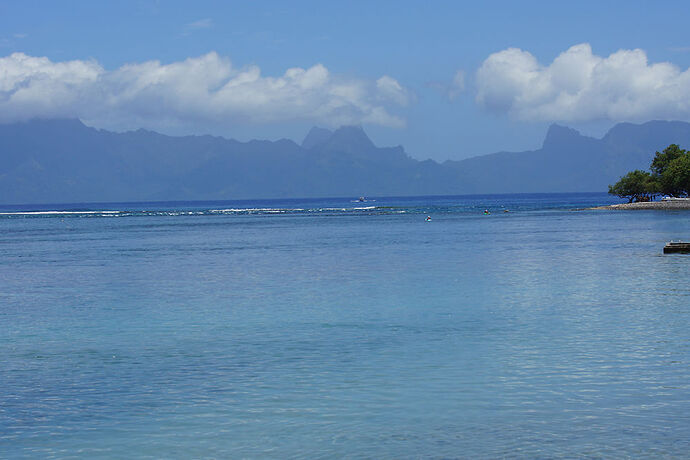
x: 558, y: 134
x: 316, y: 136
x: 346, y: 139
x: 351, y: 139
x: 623, y: 133
x: 352, y: 131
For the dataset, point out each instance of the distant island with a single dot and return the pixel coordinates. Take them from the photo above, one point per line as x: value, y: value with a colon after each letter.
x: 64, y: 161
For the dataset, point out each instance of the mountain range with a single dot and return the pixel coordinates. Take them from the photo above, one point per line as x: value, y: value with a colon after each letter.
x: 64, y: 161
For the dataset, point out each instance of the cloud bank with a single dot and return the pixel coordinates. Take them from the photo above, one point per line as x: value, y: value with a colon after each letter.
x: 580, y: 86
x: 201, y: 89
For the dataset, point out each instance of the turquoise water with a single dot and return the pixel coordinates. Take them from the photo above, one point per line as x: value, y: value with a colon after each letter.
x: 330, y: 328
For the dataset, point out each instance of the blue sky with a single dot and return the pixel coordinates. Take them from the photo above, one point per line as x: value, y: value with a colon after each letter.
x: 447, y: 80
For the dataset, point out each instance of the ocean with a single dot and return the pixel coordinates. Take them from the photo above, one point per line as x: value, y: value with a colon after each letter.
x: 342, y: 329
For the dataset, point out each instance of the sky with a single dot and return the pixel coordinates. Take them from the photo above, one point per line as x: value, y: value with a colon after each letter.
x: 445, y: 79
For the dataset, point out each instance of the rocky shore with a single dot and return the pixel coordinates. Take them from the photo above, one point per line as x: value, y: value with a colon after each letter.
x: 661, y: 205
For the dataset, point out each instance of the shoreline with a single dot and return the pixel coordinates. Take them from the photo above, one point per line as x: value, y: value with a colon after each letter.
x: 654, y: 205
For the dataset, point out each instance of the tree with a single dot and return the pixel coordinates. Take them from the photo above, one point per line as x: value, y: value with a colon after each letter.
x: 675, y: 180
x: 670, y: 176
x: 636, y: 186
x: 662, y: 160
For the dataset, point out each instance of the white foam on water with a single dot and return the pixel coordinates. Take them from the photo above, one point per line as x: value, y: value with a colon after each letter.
x: 109, y: 213
x: 51, y: 213
x: 248, y: 210
x: 364, y: 208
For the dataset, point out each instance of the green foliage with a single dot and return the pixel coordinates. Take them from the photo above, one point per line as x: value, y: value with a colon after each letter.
x: 670, y: 176
x: 662, y: 160
x: 675, y: 180
x: 636, y: 186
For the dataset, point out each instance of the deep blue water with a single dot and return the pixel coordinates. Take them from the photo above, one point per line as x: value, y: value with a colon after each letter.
x: 330, y: 328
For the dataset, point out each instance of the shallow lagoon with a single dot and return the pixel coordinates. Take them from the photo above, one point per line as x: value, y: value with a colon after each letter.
x: 321, y: 328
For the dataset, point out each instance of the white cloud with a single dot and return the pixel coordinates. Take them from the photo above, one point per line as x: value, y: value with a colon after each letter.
x: 390, y: 89
x: 581, y: 86
x: 201, y: 89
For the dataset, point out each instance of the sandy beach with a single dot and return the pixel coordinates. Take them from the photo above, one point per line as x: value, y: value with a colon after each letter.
x: 660, y: 205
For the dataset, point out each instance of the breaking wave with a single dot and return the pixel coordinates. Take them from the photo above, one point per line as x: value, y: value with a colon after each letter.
x: 202, y: 212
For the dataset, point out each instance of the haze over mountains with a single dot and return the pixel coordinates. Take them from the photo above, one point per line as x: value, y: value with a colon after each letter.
x: 64, y: 161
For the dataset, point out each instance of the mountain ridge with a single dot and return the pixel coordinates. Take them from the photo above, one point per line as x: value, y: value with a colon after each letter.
x: 64, y: 160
